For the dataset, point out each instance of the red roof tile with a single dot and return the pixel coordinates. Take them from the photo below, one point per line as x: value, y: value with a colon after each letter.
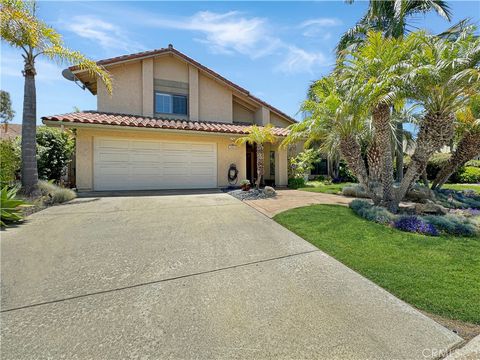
x: 95, y: 117
x: 171, y: 49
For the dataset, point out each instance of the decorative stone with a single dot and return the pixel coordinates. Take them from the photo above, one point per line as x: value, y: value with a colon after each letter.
x: 429, y: 207
x: 269, y: 191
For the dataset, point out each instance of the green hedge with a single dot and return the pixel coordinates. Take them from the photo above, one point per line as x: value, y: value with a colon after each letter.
x: 10, y: 161
x: 469, y: 175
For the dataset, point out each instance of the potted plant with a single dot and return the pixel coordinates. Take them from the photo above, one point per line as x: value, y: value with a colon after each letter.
x: 245, y: 185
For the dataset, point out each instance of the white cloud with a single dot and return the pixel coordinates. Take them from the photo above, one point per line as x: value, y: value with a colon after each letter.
x: 299, y: 60
x: 319, y: 27
x: 233, y: 32
x: 106, y: 34
x: 225, y: 33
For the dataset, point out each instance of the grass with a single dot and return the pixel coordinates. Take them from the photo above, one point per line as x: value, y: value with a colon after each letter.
x: 318, y: 186
x: 436, y: 274
x: 474, y: 187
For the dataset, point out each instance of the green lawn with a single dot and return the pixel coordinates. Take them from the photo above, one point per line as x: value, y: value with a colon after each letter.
x: 318, y: 186
x: 436, y: 274
x: 474, y: 187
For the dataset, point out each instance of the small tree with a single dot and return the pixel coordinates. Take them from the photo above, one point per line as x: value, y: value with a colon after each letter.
x: 304, y: 162
x: 6, y: 111
x: 21, y: 29
x: 259, y: 136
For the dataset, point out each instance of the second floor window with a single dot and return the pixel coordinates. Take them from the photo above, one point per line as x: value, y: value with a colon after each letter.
x: 170, y: 104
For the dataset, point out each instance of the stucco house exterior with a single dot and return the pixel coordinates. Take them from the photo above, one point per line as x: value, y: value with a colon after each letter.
x: 170, y: 123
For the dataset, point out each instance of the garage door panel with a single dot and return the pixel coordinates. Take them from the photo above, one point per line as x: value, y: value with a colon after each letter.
x: 113, y: 143
x: 129, y: 164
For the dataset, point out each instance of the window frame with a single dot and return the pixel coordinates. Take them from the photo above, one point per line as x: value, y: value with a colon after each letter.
x: 155, y: 92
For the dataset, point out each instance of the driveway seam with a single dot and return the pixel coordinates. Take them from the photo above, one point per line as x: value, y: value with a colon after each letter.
x: 156, y: 281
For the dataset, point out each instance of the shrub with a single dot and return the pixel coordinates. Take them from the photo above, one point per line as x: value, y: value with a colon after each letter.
x: 345, y: 174
x: 372, y: 213
x: 54, y: 194
x: 355, y: 191
x: 435, y: 163
x: 453, y: 225
x: 412, y: 223
x: 304, y: 162
x: 295, y: 183
x: 457, y: 199
x: 11, y: 209
x: 54, y: 152
x: 469, y: 175
x: 10, y: 161
x: 473, y: 163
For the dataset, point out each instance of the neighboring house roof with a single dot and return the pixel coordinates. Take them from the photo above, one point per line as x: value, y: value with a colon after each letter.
x: 102, y: 118
x: 172, y: 50
x: 12, y: 131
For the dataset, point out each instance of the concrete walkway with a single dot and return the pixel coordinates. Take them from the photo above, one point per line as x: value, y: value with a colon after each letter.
x: 470, y: 351
x: 191, y: 276
x: 289, y: 199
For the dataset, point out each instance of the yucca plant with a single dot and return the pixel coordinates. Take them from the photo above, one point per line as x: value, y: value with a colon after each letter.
x: 10, y: 206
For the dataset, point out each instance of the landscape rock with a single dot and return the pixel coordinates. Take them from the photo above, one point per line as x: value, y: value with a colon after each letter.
x: 419, y: 194
x: 429, y: 207
x: 269, y: 191
x: 252, y: 194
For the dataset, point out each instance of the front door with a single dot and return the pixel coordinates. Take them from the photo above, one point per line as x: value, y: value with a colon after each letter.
x: 251, y: 163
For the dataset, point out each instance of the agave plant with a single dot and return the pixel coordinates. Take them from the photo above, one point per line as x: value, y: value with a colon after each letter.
x: 10, y: 207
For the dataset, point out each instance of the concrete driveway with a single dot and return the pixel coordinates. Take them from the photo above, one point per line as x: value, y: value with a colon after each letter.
x: 191, y: 276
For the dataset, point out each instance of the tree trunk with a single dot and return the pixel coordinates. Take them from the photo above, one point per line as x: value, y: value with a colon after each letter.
x: 260, y: 165
x: 468, y: 148
x: 351, y: 152
x: 381, y: 124
x: 374, y: 160
x: 29, y: 130
x: 436, y: 130
x: 399, y: 152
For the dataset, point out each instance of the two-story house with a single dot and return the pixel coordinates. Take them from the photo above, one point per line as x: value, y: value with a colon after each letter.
x: 170, y: 123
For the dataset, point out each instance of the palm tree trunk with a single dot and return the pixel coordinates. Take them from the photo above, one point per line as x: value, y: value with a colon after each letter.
x: 436, y: 130
x: 29, y: 130
x: 260, y: 164
x: 351, y: 152
x: 399, y: 152
x: 381, y: 123
x: 374, y: 162
x: 467, y: 149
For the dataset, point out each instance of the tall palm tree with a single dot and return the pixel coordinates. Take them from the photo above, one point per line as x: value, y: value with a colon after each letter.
x: 20, y: 28
x: 444, y: 75
x: 391, y: 18
x: 468, y: 141
x: 372, y: 72
x: 259, y: 136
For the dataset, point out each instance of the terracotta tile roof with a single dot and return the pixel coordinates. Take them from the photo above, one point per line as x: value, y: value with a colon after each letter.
x: 95, y: 117
x: 12, y: 131
x: 171, y: 49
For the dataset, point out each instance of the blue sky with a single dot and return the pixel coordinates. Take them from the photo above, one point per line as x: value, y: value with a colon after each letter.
x: 273, y: 49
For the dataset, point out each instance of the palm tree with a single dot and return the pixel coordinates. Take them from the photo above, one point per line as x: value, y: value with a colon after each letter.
x: 258, y: 136
x: 391, y: 18
x: 372, y: 73
x: 20, y: 28
x: 468, y: 136
x: 337, y: 124
x: 443, y: 76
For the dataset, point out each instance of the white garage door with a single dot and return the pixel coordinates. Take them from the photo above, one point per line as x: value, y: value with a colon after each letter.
x: 125, y: 164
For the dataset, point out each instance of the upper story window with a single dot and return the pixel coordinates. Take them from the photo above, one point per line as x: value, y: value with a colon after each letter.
x: 170, y: 104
